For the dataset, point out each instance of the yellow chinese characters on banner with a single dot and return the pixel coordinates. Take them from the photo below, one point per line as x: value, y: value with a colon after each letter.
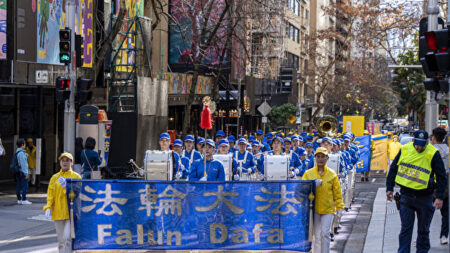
x: 379, y: 154
x: 354, y: 124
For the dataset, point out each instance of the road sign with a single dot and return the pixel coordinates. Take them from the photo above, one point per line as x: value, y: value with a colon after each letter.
x: 264, y: 120
x: 41, y: 76
x: 264, y: 108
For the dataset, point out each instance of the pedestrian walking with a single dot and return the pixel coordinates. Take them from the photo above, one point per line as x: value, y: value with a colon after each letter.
x: 21, y: 174
x: 56, y: 207
x: 31, y: 152
x: 437, y: 138
x: 90, y: 158
x: 328, y: 200
x: 414, y: 169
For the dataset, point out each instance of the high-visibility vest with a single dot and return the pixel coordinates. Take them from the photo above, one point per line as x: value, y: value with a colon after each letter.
x: 414, y: 168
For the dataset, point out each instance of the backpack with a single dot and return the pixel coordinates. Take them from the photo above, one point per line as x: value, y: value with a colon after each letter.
x: 14, y: 166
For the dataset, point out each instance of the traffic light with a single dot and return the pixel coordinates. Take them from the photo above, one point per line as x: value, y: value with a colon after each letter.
x: 79, y: 50
x: 62, y: 89
x: 84, y: 93
x: 64, y: 46
x: 438, y: 59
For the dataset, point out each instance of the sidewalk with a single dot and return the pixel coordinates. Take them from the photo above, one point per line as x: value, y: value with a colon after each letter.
x: 385, y: 221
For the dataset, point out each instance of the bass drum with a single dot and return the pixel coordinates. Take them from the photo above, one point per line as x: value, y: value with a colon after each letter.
x: 227, y: 162
x: 276, y: 167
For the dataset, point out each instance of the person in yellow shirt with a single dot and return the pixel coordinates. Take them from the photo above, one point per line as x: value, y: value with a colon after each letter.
x: 57, y: 208
x: 328, y: 199
x: 393, y: 148
x: 31, y: 152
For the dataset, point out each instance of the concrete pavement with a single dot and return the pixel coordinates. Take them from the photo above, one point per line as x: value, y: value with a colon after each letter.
x: 382, y: 235
x: 24, y: 227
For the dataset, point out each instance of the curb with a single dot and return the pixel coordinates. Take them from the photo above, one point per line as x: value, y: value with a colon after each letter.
x: 377, y: 224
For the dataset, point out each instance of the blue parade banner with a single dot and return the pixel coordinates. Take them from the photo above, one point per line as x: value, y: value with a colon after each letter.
x: 162, y: 215
x: 363, y: 142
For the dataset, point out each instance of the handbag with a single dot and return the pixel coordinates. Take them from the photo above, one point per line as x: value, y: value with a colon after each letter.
x: 95, y: 174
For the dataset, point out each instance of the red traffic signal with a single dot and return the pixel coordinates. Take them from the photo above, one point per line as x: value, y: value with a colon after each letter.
x: 437, y: 40
x: 62, y: 83
x: 62, y: 89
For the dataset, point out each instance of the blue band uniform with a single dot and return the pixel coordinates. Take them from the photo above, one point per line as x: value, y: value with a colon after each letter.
x: 124, y: 215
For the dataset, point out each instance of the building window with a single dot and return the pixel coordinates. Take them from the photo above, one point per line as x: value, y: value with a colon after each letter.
x: 294, y: 6
x: 292, y: 60
x: 294, y: 33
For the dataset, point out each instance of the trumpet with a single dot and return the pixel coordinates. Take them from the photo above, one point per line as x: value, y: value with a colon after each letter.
x: 327, y: 126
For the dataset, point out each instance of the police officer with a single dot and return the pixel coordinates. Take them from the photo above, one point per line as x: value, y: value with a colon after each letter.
x: 414, y: 169
x: 214, y: 168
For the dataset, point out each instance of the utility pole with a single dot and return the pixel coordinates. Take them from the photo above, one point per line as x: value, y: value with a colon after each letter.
x: 69, y: 106
x: 238, y: 108
x: 431, y: 106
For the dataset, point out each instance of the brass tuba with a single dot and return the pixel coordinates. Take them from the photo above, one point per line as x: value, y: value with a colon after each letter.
x: 327, y: 126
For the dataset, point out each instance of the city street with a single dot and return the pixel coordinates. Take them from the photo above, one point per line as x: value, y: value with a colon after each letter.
x: 28, y: 230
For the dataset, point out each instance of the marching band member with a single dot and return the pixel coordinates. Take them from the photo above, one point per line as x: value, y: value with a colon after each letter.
x: 277, y: 145
x: 304, y: 160
x: 243, y: 162
x: 214, y: 168
x: 219, y: 136
x: 297, y: 165
x: 328, y: 199
x: 178, y: 146
x: 256, y: 147
x: 310, y: 154
x: 309, y: 138
x: 231, y: 142
x: 183, y: 162
x: 302, y: 139
x: 260, y: 138
x: 295, y: 146
x: 200, y: 142
x: 249, y: 148
x: 189, y: 151
x: 224, y: 146
x: 164, y: 143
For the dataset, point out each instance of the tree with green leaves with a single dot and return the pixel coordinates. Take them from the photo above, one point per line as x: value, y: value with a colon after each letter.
x: 279, y: 115
x: 408, y: 83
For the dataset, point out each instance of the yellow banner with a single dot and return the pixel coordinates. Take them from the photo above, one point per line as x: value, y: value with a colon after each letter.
x: 379, y: 153
x: 354, y: 124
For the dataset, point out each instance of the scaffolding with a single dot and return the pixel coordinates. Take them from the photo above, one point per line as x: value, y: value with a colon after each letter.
x: 267, y: 33
x: 128, y: 57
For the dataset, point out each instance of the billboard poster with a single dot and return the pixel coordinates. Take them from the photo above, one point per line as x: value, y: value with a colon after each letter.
x: 50, y: 20
x: 126, y: 56
x: 26, y: 31
x: 3, y: 28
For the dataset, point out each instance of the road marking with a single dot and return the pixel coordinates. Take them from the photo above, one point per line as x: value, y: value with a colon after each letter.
x: 373, y: 180
x: 26, y: 238
x: 40, y: 217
